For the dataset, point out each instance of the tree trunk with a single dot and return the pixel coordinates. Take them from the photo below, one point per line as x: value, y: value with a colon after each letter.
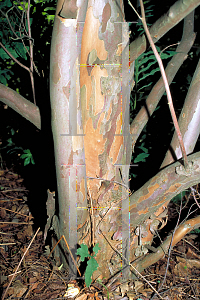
x: 105, y: 81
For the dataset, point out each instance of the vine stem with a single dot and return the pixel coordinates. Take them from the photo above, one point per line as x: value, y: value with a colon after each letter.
x: 162, y: 70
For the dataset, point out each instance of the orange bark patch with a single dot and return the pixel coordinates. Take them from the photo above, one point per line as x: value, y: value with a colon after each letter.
x: 173, y: 188
x: 151, y: 190
x: 98, y: 98
x: 143, y: 212
x: 91, y: 27
x: 159, y: 203
x: 94, y: 145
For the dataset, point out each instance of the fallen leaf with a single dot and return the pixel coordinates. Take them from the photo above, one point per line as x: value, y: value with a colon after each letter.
x: 82, y: 297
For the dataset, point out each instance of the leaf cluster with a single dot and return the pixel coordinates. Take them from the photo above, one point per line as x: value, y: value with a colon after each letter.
x: 92, y: 264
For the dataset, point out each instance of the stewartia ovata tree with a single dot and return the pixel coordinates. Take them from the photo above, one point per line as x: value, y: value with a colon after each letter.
x: 91, y: 76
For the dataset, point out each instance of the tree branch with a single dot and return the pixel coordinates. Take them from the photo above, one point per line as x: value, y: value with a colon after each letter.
x: 176, y: 13
x: 160, y: 189
x: 160, y: 252
x: 21, y: 105
x: 12, y: 57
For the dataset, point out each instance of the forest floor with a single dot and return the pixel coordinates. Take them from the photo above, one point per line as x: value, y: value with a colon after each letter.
x: 28, y: 273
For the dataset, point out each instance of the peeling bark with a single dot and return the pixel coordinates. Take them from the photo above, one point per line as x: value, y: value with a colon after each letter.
x: 105, y: 92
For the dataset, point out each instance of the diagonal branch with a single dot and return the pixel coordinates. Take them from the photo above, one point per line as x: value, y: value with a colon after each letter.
x: 176, y: 13
x: 160, y: 189
x: 12, y: 57
x: 21, y: 105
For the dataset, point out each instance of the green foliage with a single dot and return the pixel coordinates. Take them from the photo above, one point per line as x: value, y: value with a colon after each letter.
x: 14, y: 37
x: 28, y: 157
x: 92, y: 264
x: 148, y: 14
x: 144, y: 69
x: 49, y: 11
x: 196, y: 231
x: 11, y: 148
x: 4, y: 76
x: 142, y: 156
x: 49, y: 17
x: 5, y: 3
x: 178, y: 198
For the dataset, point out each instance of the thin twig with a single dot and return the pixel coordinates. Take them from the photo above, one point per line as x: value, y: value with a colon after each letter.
x: 20, y: 264
x: 16, y: 223
x: 14, y: 212
x: 138, y: 273
x: 197, y: 203
x: 169, y: 251
x: 191, y: 245
x: 92, y: 219
x: 31, y: 51
x: 12, y: 57
x: 63, y: 237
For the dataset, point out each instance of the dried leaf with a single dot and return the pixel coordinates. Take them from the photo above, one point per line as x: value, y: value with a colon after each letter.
x: 124, y: 288
x: 82, y: 297
x: 138, y: 285
x: 17, y: 289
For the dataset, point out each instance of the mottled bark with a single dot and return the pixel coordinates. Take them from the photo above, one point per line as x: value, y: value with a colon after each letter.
x: 105, y: 92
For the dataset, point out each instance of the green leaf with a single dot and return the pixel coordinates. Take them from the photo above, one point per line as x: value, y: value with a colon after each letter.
x: 5, y: 3
x: 83, y: 252
x: 28, y: 157
x: 32, y: 161
x: 167, y: 54
x: 21, y: 51
x: 144, y: 86
x: 49, y: 8
x: 10, y: 142
x: 3, y: 79
x: 149, y: 74
x: 141, y: 157
x: 4, y: 55
x: 143, y: 148
x: 92, y: 266
x: 96, y: 249
x: 27, y: 161
x: 50, y: 18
